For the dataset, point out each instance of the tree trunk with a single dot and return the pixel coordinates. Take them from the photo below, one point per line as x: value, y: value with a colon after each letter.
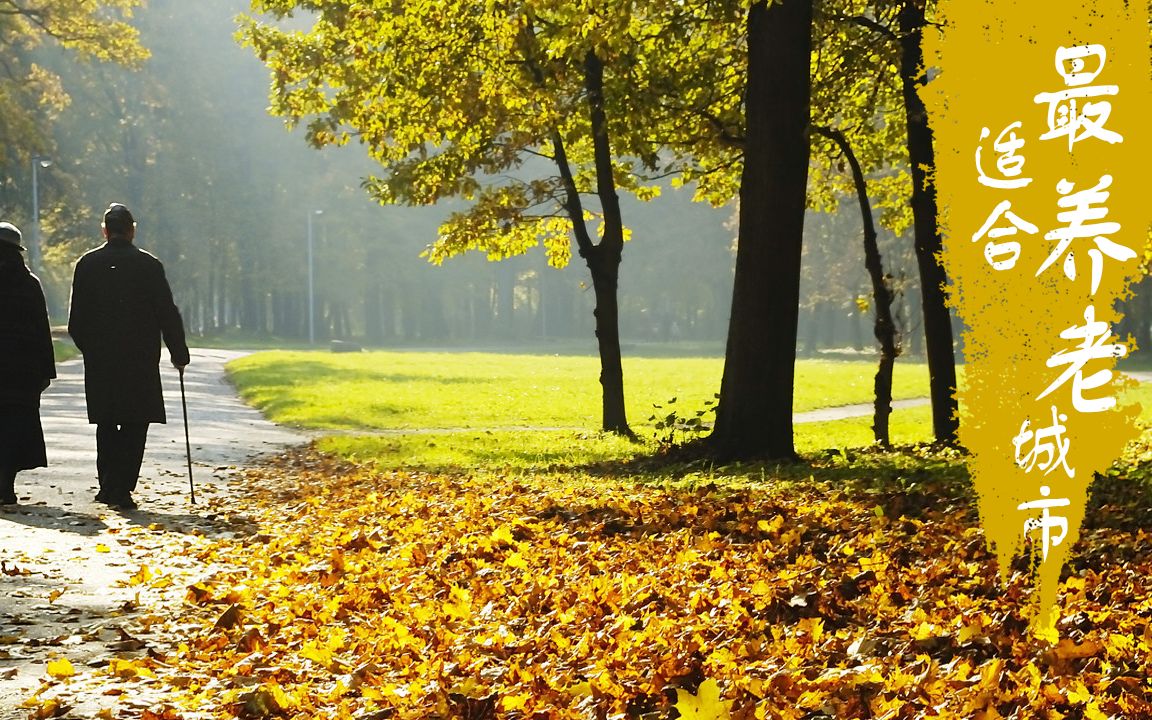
x: 811, y: 338
x: 604, y: 261
x: 884, y: 327
x: 605, y: 274
x: 914, y: 334
x: 921, y: 157
x: 754, y: 417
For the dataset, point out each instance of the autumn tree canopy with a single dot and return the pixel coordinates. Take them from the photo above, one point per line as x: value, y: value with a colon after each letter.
x: 536, y: 114
x: 94, y: 30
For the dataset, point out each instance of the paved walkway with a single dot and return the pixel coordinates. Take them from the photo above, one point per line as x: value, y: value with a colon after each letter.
x: 65, y: 578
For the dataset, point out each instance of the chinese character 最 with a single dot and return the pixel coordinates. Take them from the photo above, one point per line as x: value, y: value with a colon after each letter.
x: 1078, y: 112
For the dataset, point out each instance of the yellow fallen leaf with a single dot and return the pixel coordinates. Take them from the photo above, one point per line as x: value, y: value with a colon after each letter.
x: 61, y: 668
x: 704, y: 705
x: 143, y: 575
x: 503, y: 534
x: 515, y: 702
x: 460, y: 604
x: 1069, y: 649
x: 127, y: 669
x: 102, y: 548
x: 47, y: 709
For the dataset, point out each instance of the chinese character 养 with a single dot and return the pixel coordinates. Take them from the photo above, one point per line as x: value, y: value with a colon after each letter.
x: 1078, y: 217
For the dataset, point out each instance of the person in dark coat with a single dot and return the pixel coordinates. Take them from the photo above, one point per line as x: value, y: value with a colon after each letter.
x: 27, y: 364
x: 121, y: 309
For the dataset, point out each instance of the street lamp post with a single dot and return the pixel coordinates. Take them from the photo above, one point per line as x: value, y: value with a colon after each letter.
x: 38, y: 161
x: 311, y: 288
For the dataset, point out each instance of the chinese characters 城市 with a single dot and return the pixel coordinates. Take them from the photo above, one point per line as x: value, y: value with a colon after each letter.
x: 1078, y: 113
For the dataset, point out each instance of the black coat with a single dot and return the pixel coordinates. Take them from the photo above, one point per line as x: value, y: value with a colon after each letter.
x: 121, y: 308
x: 26, y: 358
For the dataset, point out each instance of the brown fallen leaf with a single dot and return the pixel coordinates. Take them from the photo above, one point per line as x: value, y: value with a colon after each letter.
x: 229, y: 618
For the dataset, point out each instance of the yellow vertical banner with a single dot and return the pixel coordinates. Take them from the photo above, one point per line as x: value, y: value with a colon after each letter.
x: 1039, y: 113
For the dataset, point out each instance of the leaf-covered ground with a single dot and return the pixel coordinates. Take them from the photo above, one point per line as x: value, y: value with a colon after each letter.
x: 862, y: 592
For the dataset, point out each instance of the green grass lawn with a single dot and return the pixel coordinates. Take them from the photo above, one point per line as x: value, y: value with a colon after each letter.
x: 475, y: 410
x: 408, y: 390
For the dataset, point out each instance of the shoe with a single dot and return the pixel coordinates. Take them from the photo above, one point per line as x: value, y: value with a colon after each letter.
x: 124, y: 502
x: 102, y: 496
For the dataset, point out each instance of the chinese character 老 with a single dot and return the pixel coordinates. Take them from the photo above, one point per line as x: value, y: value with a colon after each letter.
x: 1093, y: 333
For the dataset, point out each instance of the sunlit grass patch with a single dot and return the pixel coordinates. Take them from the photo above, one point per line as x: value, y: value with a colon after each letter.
x: 388, y: 390
x: 544, y: 449
x: 905, y: 426
x: 483, y: 450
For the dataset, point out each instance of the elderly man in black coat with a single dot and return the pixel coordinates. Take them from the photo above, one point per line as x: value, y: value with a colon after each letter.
x: 27, y: 364
x: 121, y: 309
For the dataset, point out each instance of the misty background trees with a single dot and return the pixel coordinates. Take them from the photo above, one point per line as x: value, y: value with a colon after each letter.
x: 222, y: 194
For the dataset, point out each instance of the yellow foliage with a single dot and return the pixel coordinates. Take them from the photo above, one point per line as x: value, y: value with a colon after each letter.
x: 704, y: 705
x: 557, y: 596
x: 60, y: 669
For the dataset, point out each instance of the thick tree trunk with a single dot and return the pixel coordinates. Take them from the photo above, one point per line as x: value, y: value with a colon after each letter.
x: 884, y: 327
x: 921, y: 156
x: 754, y: 417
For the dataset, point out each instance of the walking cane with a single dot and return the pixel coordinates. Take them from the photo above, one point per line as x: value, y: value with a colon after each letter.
x: 187, y: 441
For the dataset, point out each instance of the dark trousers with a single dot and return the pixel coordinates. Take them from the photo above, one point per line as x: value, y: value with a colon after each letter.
x: 7, y: 481
x: 119, y: 452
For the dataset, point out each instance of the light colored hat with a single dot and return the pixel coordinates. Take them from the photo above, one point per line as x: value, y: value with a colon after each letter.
x: 10, y: 235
